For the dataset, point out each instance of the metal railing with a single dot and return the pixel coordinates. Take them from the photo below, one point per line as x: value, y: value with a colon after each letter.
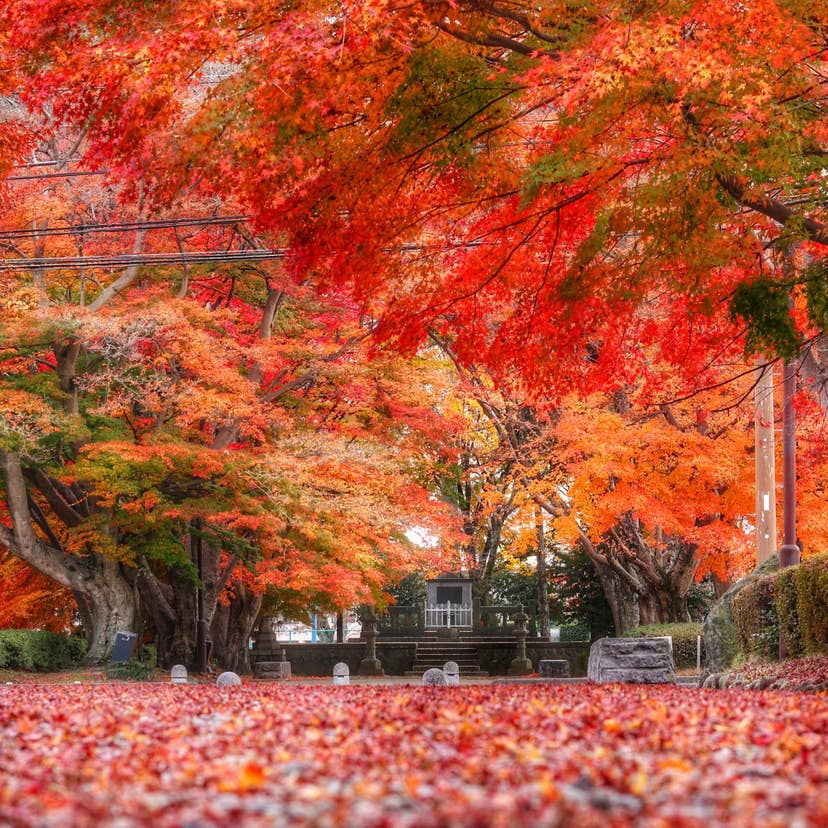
x: 448, y: 615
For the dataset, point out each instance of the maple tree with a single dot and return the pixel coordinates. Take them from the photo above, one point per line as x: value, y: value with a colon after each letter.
x: 565, y: 194
x: 244, y: 404
x: 458, y: 164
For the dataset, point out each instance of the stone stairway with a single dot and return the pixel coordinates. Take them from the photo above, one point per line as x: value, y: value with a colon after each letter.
x: 437, y: 653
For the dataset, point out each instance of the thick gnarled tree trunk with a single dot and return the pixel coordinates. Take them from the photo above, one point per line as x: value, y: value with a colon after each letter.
x: 232, y: 628
x: 106, y: 595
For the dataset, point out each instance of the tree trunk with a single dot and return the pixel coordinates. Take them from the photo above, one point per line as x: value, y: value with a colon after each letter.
x: 107, y: 599
x: 232, y: 628
x: 624, y: 603
x: 543, y: 580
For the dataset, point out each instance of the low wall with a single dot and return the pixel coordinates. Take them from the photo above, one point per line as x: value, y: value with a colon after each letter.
x: 496, y: 656
x: 398, y: 656
x: 319, y: 659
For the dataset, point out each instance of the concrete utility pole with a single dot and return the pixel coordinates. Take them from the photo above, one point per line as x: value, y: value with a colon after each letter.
x: 765, y: 463
x: 789, y: 551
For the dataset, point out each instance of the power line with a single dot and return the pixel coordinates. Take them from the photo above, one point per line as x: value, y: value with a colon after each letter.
x: 125, y: 260
x: 120, y: 227
x: 66, y: 174
x: 31, y: 164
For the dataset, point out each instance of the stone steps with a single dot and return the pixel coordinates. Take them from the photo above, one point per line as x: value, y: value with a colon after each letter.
x: 432, y: 654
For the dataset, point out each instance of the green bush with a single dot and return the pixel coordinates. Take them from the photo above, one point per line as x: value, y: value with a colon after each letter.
x: 786, y: 611
x: 811, y: 581
x: 754, y: 613
x: 39, y: 651
x: 130, y: 670
x: 684, y: 635
x: 574, y: 632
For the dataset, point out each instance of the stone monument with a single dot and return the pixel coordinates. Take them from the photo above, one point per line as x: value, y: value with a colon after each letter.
x: 178, y: 674
x: 632, y: 660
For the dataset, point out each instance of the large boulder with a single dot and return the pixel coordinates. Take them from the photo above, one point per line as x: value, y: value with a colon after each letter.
x: 721, y: 644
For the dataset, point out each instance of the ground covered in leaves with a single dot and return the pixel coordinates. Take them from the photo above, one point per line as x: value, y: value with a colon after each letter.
x: 477, y: 755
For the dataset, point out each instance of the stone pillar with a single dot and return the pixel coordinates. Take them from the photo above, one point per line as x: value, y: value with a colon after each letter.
x: 370, y: 665
x: 521, y: 665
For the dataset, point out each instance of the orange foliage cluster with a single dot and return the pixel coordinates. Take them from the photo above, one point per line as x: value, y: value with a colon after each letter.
x: 406, y: 757
x: 31, y: 600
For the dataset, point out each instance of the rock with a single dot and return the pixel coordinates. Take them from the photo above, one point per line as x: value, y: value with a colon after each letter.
x: 720, y: 641
x: 434, y: 677
x: 553, y: 668
x: 634, y: 660
x: 228, y: 680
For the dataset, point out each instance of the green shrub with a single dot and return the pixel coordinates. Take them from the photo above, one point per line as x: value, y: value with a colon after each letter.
x: 811, y: 580
x: 135, y: 670
x: 786, y: 611
x: 754, y: 613
x: 39, y: 651
x: 574, y: 632
x: 684, y: 635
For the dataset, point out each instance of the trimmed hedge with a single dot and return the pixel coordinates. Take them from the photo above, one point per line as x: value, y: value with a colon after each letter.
x: 39, y: 651
x: 786, y: 612
x: 791, y: 604
x: 811, y: 584
x: 754, y: 614
x: 684, y: 635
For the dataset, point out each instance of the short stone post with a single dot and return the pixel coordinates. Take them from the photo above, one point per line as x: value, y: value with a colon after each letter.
x: 521, y: 665
x: 452, y: 673
x: 370, y: 665
x: 341, y: 674
x: 434, y: 677
x: 178, y: 674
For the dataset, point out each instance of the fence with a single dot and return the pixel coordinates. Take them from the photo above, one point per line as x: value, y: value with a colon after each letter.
x: 448, y: 615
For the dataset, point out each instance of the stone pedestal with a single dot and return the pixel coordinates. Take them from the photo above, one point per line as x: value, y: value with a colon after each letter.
x: 272, y: 669
x: 553, y: 668
x: 632, y: 660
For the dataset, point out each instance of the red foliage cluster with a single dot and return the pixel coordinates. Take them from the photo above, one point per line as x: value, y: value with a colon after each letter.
x: 273, y: 755
x: 794, y: 672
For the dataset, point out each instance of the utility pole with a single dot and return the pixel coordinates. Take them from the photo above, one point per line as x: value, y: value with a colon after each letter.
x: 765, y: 460
x: 789, y: 551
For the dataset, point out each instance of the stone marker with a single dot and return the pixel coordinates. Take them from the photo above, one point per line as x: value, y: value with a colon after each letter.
x: 633, y: 660
x: 434, y: 677
x: 341, y: 674
x: 452, y: 673
x: 553, y: 668
x: 228, y: 680
x: 272, y: 669
x: 178, y: 674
